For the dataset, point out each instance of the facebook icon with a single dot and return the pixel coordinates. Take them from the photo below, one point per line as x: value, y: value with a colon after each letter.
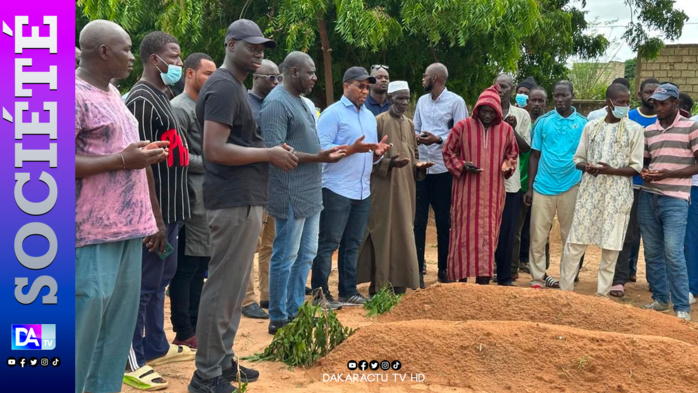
x: 33, y: 337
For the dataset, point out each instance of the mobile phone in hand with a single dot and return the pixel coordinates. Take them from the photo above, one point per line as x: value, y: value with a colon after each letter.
x: 167, y: 252
x: 424, y: 135
x: 471, y: 167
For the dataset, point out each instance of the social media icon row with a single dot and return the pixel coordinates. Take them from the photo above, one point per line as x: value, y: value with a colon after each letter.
x: 33, y: 362
x: 374, y: 365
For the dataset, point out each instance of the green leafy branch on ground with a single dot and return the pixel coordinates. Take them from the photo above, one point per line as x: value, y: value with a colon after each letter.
x: 311, y: 335
x: 382, y: 302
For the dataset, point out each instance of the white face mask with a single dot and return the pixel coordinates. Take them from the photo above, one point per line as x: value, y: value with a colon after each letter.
x: 620, y: 112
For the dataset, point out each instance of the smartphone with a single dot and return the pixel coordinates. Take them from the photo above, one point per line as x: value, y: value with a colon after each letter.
x: 424, y: 135
x: 168, y: 250
x: 471, y: 167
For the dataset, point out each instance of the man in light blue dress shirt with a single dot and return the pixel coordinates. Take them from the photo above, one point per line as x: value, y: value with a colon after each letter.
x: 436, y: 113
x: 346, y: 186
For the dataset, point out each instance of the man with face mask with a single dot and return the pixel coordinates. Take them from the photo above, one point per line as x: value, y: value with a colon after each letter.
x: 537, y: 106
x: 384, y: 258
x: 150, y: 104
x: 520, y: 121
x: 601, y: 113
x: 671, y: 151
x: 626, y: 266
x: 609, y: 153
x: 523, y: 89
x: 194, y: 246
x: 480, y: 153
x: 436, y: 113
x: 296, y: 200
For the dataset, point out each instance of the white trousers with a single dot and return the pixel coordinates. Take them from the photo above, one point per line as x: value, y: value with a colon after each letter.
x: 569, y: 266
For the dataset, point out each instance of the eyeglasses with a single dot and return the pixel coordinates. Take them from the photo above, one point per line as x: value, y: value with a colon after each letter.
x: 379, y: 66
x: 273, y: 77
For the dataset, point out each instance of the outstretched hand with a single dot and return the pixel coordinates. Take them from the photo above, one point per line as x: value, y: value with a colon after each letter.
x: 397, y: 162
x: 424, y: 164
x: 382, y: 147
x: 333, y: 154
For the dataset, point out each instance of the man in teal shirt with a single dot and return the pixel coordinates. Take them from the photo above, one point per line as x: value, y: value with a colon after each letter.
x: 552, y: 177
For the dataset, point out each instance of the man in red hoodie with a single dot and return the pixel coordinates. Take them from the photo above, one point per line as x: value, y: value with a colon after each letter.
x: 480, y: 153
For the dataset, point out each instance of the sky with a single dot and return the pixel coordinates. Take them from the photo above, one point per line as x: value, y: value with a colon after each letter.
x: 610, y: 10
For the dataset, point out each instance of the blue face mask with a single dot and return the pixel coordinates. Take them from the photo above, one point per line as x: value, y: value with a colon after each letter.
x: 620, y: 112
x: 173, y: 74
x: 521, y: 100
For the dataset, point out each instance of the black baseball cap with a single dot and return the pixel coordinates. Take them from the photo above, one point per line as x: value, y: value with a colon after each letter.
x: 248, y: 31
x: 357, y: 74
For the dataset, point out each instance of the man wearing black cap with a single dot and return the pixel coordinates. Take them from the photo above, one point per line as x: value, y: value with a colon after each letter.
x: 346, y: 186
x: 235, y: 192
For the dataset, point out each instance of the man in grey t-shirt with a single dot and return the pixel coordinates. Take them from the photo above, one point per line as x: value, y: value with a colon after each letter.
x: 296, y: 200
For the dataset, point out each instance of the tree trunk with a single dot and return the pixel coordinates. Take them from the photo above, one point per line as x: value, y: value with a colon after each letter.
x: 327, y: 60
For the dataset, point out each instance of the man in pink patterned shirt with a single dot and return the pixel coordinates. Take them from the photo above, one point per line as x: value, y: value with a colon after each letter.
x: 112, y: 209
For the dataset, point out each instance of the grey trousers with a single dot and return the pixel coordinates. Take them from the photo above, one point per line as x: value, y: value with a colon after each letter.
x: 234, y: 233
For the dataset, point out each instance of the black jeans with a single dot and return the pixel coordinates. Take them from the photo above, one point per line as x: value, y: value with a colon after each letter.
x: 632, y: 236
x: 435, y: 190
x: 507, y: 231
x: 343, y: 224
x: 185, y: 291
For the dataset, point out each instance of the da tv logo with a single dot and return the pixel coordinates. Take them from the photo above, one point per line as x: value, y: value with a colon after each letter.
x: 33, y: 337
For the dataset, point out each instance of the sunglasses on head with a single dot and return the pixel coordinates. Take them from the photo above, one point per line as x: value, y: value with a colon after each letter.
x: 273, y: 77
x: 379, y: 66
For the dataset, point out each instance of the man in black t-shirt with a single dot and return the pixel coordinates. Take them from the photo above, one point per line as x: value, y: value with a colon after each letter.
x: 235, y: 193
x: 167, y: 180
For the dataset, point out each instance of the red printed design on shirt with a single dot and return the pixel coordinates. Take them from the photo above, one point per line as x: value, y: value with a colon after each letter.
x: 176, y: 146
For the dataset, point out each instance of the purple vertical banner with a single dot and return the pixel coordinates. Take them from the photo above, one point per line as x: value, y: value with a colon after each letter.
x: 37, y: 188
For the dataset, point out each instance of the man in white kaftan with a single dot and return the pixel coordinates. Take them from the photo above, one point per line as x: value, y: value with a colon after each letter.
x: 610, y: 152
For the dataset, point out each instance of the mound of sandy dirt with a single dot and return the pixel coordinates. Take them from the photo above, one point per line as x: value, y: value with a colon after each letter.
x: 520, y: 357
x: 465, y: 302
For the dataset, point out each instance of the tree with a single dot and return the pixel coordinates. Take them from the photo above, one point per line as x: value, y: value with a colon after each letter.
x: 657, y: 15
x: 475, y: 39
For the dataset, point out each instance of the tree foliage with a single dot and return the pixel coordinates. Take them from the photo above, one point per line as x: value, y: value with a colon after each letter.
x: 475, y: 39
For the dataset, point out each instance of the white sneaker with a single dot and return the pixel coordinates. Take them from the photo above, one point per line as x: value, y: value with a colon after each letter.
x: 685, y: 315
x: 691, y: 298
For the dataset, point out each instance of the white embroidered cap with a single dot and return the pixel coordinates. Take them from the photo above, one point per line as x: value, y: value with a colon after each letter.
x: 397, y: 86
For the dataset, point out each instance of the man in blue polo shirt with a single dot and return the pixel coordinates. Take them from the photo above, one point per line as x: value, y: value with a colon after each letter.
x: 346, y: 186
x: 626, y: 265
x: 553, y: 180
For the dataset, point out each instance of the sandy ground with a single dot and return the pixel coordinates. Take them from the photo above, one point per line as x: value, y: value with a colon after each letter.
x: 276, y: 377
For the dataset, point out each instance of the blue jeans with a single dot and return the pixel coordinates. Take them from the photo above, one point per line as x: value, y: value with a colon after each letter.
x: 295, y: 247
x: 691, y: 242
x: 662, y: 222
x: 342, y: 224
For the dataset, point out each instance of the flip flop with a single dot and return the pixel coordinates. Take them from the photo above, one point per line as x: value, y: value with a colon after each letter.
x: 551, y: 282
x: 617, y: 290
x: 144, y: 379
x: 176, y: 353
